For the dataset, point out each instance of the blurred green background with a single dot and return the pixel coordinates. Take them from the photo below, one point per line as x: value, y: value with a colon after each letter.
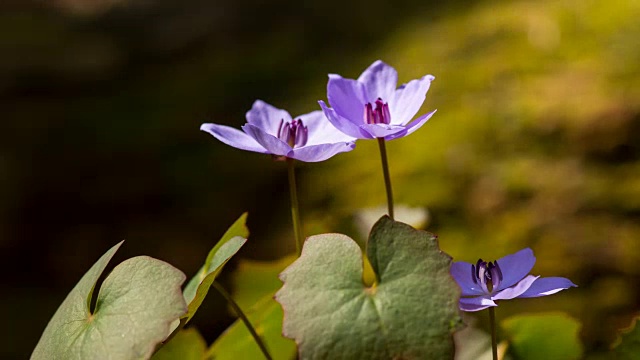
x: 536, y: 141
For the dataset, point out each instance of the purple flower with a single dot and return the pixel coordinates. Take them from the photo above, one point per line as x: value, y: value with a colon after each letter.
x: 503, y: 279
x: 371, y: 107
x: 269, y: 130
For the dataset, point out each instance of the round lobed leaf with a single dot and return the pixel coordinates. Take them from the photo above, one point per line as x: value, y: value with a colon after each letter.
x: 135, y: 307
x: 411, y: 313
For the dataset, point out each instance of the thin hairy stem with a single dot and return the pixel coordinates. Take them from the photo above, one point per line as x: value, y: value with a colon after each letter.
x: 295, y: 212
x: 387, y: 178
x: 244, y: 319
x: 494, y: 340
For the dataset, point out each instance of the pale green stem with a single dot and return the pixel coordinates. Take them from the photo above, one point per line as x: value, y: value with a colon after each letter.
x: 244, y: 319
x: 494, y: 340
x: 387, y: 178
x: 295, y: 212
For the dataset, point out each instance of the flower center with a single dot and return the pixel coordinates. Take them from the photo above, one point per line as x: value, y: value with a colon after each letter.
x: 293, y: 133
x: 379, y: 115
x: 487, y: 275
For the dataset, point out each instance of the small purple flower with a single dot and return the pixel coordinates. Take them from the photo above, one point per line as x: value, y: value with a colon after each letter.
x: 269, y: 130
x: 503, y: 279
x: 371, y: 106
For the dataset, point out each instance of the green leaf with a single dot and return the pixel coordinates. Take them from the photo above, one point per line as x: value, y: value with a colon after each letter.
x: 253, y: 280
x: 627, y: 346
x: 543, y: 336
x: 136, y: 304
x: 198, y: 287
x: 237, y: 343
x: 188, y: 344
x: 411, y: 313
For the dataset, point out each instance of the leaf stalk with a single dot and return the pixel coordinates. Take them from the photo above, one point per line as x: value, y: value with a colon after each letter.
x: 244, y: 319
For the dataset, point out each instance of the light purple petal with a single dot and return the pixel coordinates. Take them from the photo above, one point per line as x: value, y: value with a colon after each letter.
x: 515, y: 267
x: 343, y: 124
x: 382, y: 130
x: 270, y: 142
x: 476, y: 303
x: 515, y: 291
x: 266, y: 117
x: 413, y: 126
x: 380, y: 81
x: 321, y: 130
x: 547, y: 286
x: 408, y: 99
x: 233, y: 137
x: 397, y: 135
x: 315, y: 153
x: 347, y: 98
x: 461, y: 272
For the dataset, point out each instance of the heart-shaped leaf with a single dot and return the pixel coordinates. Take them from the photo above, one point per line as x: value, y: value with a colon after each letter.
x: 135, y: 306
x: 198, y: 287
x: 410, y: 313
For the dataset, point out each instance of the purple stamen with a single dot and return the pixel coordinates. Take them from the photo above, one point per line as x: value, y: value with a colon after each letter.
x: 474, y: 275
x: 369, y: 118
x: 301, y: 134
x: 477, y: 270
x: 495, y: 275
x: 293, y: 133
x: 387, y: 113
x: 487, y: 275
x: 284, y: 133
x: 482, y: 275
x: 280, y: 130
x: 379, y: 115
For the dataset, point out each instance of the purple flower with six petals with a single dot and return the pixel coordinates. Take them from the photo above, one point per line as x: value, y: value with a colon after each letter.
x: 504, y: 279
x: 371, y: 106
x: 269, y: 130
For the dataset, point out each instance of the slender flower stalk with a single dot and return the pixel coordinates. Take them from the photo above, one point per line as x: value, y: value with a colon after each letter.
x: 269, y: 130
x: 373, y: 107
x: 244, y: 319
x: 494, y: 338
x: 295, y: 212
x: 387, y: 177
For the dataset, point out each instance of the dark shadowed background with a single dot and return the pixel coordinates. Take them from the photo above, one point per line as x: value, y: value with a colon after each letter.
x: 536, y: 141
